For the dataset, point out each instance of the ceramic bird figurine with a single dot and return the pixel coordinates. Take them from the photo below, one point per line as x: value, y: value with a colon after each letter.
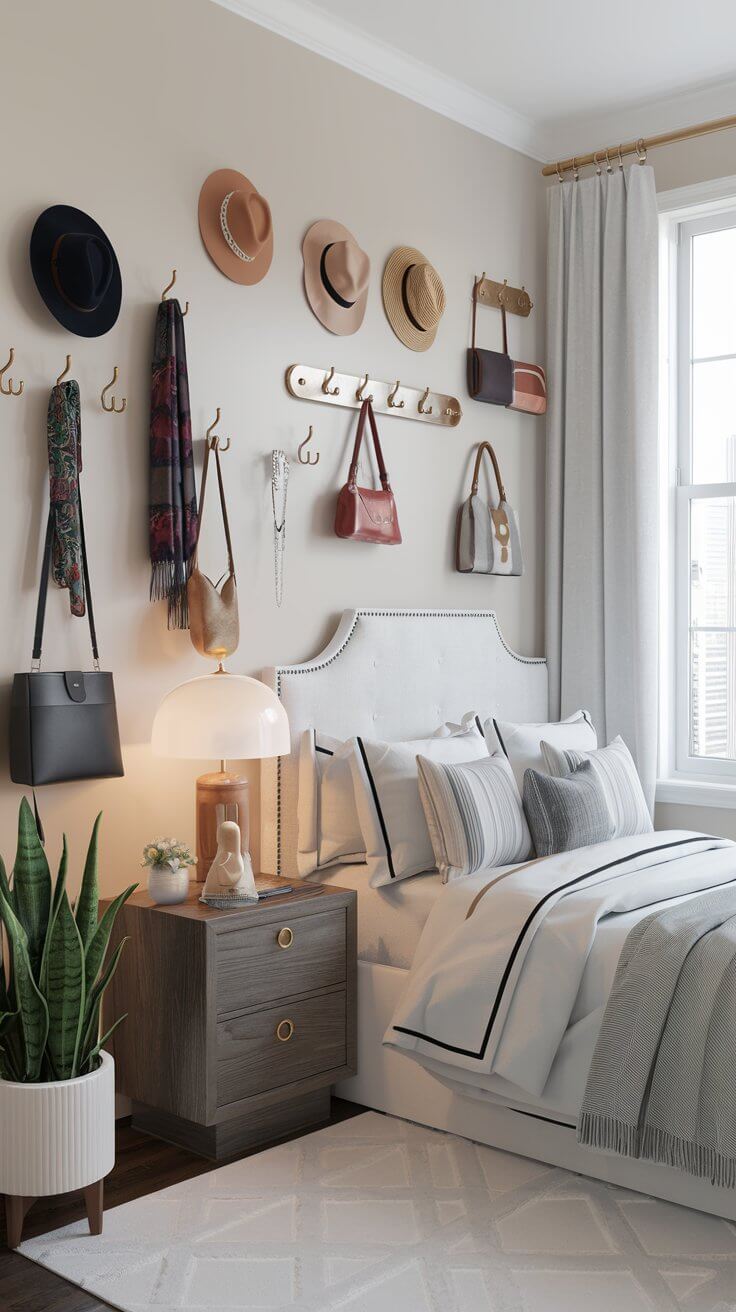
x: 230, y: 879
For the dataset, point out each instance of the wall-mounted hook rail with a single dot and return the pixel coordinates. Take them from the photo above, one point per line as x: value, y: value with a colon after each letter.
x: 310, y: 383
x: 168, y: 288
x: 213, y: 440
x: 307, y: 459
x: 515, y: 300
x: 10, y: 390
x: 64, y: 371
x: 113, y: 408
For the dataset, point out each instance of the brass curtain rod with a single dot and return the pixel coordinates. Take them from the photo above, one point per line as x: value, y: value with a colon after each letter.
x: 635, y: 147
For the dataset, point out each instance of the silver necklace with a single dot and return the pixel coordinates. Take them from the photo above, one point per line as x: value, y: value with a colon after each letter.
x: 279, y: 488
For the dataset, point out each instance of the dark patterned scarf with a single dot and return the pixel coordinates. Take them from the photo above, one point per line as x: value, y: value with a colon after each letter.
x: 173, y: 493
x: 64, y: 436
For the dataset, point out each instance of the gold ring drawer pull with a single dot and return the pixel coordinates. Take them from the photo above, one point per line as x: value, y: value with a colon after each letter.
x: 285, y: 937
x: 284, y: 1030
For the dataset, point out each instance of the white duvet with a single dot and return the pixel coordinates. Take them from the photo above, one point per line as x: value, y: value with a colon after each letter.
x: 506, y: 993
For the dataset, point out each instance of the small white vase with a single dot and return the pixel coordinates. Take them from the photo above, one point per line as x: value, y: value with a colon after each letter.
x: 167, y: 886
x: 59, y: 1137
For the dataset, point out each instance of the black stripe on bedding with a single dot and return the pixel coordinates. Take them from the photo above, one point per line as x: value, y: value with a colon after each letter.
x: 470, y: 1052
x: 324, y: 750
x: 500, y: 739
x: 379, y: 812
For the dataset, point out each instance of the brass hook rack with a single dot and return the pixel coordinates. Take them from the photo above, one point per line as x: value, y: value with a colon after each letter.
x: 10, y: 390
x: 168, y: 288
x: 113, y: 408
x: 310, y: 383
x: 307, y: 459
x: 213, y: 440
x: 64, y: 371
x: 515, y: 300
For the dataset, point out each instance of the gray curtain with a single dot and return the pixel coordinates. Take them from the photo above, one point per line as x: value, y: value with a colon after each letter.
x: 601, y: 585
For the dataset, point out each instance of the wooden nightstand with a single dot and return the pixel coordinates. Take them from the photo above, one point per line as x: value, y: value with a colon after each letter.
x: 238, y: 1021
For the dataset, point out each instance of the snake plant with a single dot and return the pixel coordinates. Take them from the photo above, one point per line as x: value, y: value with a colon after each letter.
x: 56, y: 974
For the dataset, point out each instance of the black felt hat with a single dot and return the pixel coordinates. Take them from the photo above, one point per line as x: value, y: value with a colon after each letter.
x: 76, y: 270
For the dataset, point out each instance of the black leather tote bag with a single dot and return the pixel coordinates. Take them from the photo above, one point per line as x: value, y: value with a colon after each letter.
x: 63, y: 726
x: 490, y: 373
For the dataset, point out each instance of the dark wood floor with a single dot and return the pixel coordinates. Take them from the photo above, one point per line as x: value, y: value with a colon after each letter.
x: 143, y: 1166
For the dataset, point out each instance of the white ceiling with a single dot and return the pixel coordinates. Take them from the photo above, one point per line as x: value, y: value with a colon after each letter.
x: 546, y: 76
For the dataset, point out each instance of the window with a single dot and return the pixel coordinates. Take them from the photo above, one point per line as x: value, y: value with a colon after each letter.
x: 700, y: 495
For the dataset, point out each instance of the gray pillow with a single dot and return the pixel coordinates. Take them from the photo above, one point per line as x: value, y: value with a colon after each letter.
x: 563, y: 814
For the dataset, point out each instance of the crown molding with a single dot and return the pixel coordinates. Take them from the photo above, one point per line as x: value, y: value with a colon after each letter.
x: 345, y: 44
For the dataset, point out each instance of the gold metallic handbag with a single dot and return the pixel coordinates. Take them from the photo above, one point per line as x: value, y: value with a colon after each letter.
x: 214, y: 626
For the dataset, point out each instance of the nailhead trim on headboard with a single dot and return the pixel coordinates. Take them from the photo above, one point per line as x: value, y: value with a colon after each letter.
x: 383, y: 614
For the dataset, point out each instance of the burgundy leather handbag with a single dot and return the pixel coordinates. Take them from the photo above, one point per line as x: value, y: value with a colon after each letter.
x: 365, y: 513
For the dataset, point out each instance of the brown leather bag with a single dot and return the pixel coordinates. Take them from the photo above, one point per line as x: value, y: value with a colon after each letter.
x: 214, y: 625
x: 365, y: 513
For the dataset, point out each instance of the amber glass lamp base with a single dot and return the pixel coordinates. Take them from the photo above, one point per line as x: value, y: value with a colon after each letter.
x: 221, y: 795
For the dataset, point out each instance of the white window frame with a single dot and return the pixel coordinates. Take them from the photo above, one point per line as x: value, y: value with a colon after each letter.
x: 683, y: 777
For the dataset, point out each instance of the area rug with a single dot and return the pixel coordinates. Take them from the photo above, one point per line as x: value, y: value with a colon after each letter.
x: 379, y: 1215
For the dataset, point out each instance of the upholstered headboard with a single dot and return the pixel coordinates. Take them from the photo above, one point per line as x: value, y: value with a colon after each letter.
x: 392, y: 674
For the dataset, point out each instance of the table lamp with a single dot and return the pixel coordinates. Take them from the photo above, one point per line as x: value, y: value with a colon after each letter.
x: 228, y: 717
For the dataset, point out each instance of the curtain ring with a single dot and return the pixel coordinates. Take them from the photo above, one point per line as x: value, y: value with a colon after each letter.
x: 620, y: 160
x: 597, y: 163
x: 575, y: 169
x: 560, y: 176
x: 641, y: 151
x: 609, y: 166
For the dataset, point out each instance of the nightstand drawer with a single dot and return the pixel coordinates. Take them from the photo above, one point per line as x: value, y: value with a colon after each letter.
x: 279, y: 1045
x: 263, y: 962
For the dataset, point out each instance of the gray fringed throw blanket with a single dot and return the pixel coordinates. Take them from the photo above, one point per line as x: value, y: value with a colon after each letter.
x: 173, y: 495
x: 662, y: 1081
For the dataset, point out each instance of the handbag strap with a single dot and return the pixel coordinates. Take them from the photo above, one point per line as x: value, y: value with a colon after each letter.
x: 476, y: 284
x: 486, y: 446
x: 367, y: 409
x: 223, y: 506
x: 44, y: 587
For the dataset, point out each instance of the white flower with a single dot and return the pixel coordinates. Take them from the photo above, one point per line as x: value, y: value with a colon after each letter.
x: 174, y: 862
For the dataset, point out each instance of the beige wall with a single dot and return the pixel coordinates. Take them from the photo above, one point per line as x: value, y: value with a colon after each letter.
x: 123, y: 110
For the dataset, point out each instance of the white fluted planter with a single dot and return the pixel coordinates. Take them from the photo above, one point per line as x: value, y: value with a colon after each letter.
x: 57, y: 1138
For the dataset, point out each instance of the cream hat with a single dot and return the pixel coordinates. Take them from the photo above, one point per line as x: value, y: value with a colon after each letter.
x: 236, y: 227
x: 413, y: 297
x: 336, y: 274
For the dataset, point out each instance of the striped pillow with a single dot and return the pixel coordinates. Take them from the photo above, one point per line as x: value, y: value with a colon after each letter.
x: 474, y: 815
x: 566, y: 813
x: 616, y: 770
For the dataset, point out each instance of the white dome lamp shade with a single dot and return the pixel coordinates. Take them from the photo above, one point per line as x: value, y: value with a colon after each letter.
x: 225, y: 717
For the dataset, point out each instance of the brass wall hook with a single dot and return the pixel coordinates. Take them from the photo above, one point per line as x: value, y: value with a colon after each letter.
x: 168, y: 287
x: 422, y: 407
x: 10, y: 390
x: 113, y: 408
x: 502, y: 292
x: 330, y: 391
x: 359, y: 392
x: 65, y: 370
x: 307, y: 459
x: 395, y: 405
x: 213, y: 440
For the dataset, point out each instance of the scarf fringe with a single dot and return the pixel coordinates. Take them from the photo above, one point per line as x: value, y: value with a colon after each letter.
x: 609, y: 1135
x: 169, y: 580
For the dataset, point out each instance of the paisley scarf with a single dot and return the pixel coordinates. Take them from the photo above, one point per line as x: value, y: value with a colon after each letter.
x: 173, y: 493
x: 64, y: 437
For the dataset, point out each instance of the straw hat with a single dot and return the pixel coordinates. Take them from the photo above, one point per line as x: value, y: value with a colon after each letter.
x: 413, y: 297
x: 336, y: 274
x: 235, y: 223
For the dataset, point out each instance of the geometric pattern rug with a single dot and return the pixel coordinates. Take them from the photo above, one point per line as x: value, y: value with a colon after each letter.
x: 376, y: 1214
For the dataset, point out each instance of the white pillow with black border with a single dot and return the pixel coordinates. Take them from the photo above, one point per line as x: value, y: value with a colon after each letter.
x: 521, y: 744
x: 328, y: 827
x: 385, y: 780
x: 615, y: 768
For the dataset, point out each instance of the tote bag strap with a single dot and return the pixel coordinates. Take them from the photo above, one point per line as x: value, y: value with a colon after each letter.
x: 486, y: 446
x: 476, y: 284
x: 367, y: 409
x: 223, y: 507
x: 44, y: 587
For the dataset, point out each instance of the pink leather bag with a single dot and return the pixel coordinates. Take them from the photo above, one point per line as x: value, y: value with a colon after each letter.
x: 365, y: 513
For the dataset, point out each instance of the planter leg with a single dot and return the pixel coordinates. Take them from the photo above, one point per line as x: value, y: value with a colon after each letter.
x: 94, y: 1203
x: 16, y: 1210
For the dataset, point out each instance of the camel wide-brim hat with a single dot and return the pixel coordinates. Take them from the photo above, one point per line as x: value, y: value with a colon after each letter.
x: 336, y: 276
x: 413, y: 297
x: 236, y: 226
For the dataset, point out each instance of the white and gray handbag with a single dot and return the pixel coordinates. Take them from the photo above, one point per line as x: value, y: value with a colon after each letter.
x: 487, y: 536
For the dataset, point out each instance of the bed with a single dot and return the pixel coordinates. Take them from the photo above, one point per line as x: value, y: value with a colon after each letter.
x: 393, y: 675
